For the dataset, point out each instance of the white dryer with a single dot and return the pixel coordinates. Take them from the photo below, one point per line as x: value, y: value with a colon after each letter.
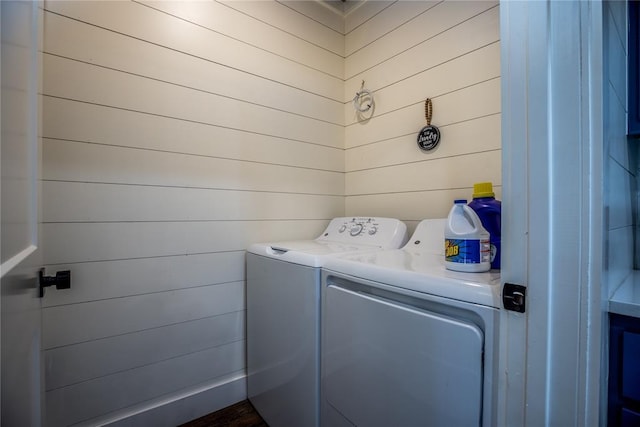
x: 406, y: 342
x: 283, y: 315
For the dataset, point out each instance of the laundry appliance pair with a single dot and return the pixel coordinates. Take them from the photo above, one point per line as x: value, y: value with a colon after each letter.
x: 353, y: 328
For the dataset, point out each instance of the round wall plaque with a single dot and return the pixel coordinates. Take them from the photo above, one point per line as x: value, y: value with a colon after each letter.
x: 429, y: 136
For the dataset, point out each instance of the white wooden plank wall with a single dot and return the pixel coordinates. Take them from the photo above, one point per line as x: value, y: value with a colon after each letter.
x: 621, y: 163
x: 406, y: 52
x: 175, y: 134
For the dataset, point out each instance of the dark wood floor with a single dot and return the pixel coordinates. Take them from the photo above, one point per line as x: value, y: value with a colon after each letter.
x: 241, y: 414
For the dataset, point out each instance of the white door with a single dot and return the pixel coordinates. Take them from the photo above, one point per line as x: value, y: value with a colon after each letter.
x: 552, y: 211
x: 20, y: 373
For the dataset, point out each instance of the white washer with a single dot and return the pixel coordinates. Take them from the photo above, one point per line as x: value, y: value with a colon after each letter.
x: 406, y: 342
x: 283, y: 315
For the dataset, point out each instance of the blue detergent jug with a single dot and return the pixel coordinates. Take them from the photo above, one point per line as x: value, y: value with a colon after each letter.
x: 489, y: 210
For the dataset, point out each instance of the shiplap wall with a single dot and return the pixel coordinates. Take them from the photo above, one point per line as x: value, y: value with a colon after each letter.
x: 406, y: 52
x: 621, y: 163
x: 620, y: 172
x: 175, y: 134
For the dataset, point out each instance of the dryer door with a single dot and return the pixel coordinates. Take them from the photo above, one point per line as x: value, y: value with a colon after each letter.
x: 390, y: 364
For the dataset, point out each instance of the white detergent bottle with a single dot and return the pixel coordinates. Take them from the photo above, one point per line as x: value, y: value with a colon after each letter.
x: 466, y: 242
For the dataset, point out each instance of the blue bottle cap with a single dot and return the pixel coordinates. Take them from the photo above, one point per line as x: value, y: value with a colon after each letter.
x: 458, y: 201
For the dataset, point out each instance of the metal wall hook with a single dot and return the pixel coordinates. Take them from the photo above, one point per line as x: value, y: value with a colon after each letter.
x: 363, y: 101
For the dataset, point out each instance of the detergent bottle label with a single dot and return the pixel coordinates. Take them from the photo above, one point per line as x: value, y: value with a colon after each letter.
x: 467, y: 251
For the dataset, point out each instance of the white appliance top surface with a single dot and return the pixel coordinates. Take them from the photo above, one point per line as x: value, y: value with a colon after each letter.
x: 419, y: 266
x: 342, y: 236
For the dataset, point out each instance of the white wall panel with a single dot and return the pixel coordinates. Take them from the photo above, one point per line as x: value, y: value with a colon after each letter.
x: 620, y: 197
x: 73, y: 161
x: 406, y: 41
x: 454, y: 172
x: 615, y: 132
x: 322, y: 13
x: 616, y: 65
x: 618, y: 11
x: 620, y: 168
x: 290, y: 20
x: 86, y: 202
x: 463, y: 71
x: 81, y: 402
x: 76, y: 80
x: 148, y: 24
x: 396, y: 15
x: 100, y: 280
x: 411, y: 207
x: 83, y: 242
x: 75, y: 363
x: 220, y: 18
x: 476, y: 135
x: 79, y: 121
x: 74, y: 39
x: 76, y: 323
x: 449, y: 52
x: 176, y: 135
x: 364, y: 12
x: 464, y: 104
x: 619, y: 262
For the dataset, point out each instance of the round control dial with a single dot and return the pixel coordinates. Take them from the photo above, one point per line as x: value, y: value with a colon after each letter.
x: 373, y: 230
x: 355, y: 229
x: 342, y: 229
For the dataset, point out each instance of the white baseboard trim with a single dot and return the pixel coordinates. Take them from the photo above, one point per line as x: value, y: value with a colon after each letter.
x: 181, y: 407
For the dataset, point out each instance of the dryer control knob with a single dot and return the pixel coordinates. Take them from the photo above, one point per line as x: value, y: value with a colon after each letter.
x: 373, y: 230
x: 356, y: 229
x: 341, y: 229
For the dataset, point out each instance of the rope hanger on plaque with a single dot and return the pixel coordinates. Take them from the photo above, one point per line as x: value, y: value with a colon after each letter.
x: 429, y: 136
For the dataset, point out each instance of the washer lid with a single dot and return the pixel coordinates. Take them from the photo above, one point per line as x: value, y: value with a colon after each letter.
x: 419, y: 270
x: 342, y: 236
x: 312, y: 253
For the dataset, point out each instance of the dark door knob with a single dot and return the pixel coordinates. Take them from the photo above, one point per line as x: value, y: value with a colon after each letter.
x: 62, y: 280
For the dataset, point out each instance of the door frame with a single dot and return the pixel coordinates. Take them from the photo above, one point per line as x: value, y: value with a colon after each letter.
x: 552, y: 140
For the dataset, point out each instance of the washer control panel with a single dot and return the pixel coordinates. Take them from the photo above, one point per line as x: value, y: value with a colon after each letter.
x: 383, y: 232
